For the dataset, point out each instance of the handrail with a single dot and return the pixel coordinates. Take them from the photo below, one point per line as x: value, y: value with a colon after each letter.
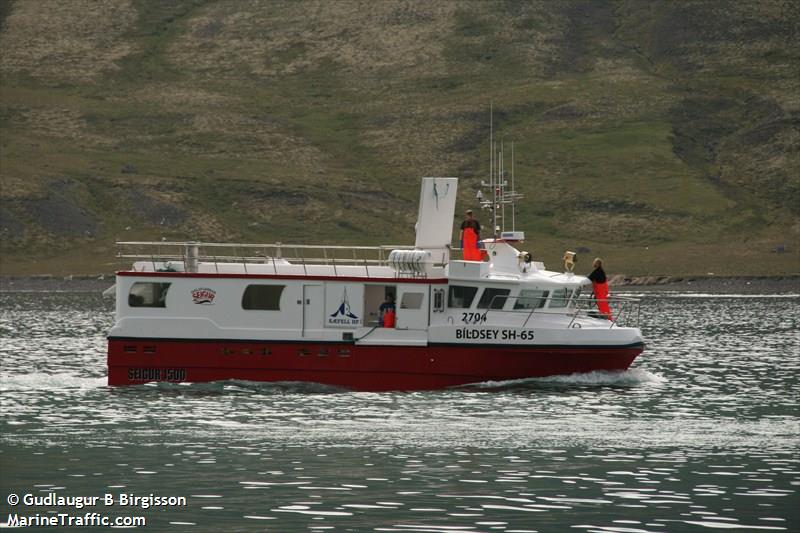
x: 508, y: 297
x: 581, y: 308
x: 251, y: 259
x: 176, y: 251
x: 367, y: 333
x: 272, y: 245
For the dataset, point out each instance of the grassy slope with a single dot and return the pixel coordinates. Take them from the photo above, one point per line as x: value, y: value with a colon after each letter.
x: 663, y: 136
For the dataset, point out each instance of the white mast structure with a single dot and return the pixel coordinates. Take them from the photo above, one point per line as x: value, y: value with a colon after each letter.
x: 501, y: 194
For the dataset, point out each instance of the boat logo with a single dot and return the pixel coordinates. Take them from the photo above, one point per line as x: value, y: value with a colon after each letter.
x: 204, y: 296
x: 343, y: 315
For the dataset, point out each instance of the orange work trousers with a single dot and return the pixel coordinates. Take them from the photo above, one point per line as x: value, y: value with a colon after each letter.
x: 470, y: 243
x: 601, y: 295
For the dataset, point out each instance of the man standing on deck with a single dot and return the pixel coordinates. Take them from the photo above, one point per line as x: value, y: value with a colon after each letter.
x: 600, y: 287
x: 470, y: 236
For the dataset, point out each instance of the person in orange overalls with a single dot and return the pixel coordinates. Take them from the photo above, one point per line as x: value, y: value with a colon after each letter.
x: 600, y: 287
x: 387, y: 311
x: 470, y: 236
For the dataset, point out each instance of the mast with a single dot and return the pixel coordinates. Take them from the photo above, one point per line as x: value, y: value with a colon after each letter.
x: 501, y: 195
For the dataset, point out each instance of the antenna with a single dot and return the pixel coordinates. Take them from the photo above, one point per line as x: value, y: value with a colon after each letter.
x: 513, y: 190
x: 502, y: 185
x: 491, y: 142
x: 491, y: 169
x: 501, y: 194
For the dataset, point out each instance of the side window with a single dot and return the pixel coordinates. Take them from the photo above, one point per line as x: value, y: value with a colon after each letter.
x: 559, y: 298
x: 262, y: 297
x: 493, y: 298
x: 411, y: 300
x: 146, y: 294
x: 461, y: 297
x: 531, y: 299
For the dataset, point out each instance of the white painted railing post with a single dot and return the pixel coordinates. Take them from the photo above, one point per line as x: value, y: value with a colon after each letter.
x: 192, y: 251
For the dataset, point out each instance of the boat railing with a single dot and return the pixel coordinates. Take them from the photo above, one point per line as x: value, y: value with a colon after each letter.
x: 190, y: 253
x: 624, y: 309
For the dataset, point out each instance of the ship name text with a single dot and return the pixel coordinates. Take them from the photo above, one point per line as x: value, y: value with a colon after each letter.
x: 494, y: 334
x: 157, y: 374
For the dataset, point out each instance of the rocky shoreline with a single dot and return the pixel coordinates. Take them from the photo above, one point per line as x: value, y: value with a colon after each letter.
x: 718, y: 284
x: 622, y: 283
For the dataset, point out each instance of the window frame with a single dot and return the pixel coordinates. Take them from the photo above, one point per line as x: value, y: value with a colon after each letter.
x: 413, y: 296
x: 497, y: 301
x: 450, y: 297
x: 159, y: 298
x: 273, y: 303
x: 563, y: 301
x: 540, y: 299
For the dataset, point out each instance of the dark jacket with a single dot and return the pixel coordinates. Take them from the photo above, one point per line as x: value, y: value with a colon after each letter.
x: 598, y: 275
x: 474, y: 224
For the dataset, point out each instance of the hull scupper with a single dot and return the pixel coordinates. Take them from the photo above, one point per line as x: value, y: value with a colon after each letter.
x: 364, y: 318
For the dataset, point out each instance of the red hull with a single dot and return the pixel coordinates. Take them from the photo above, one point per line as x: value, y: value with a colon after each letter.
x: 363, y: 368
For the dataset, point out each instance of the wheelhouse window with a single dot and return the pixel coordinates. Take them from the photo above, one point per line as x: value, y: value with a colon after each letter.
x: 531, y: 299
x: 148, y: 294
x: 461, y: 297
x: 493, y: 298
x: 262, y: 297
x: 411, y: 300
x: 560, y: 298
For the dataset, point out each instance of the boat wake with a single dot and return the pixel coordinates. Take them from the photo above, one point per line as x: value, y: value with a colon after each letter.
x: 40, y: 381
x: 601, y: 378
x: 282, y: 387
x: 67, y: 381
x: 236, y: 386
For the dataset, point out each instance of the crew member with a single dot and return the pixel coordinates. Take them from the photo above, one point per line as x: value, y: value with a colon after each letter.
x: 470, y: 236
x: 387, y: 311
x: 600, y: 287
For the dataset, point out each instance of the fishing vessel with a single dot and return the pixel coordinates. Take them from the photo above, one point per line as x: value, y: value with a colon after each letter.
x: 198, y: 312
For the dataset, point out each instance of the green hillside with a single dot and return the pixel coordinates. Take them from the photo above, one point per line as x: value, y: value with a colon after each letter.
x: 664, y: 136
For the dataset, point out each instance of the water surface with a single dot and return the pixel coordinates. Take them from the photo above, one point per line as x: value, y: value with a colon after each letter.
x: 700, y: 435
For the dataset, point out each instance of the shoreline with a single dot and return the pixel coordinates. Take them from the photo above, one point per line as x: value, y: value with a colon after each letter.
x: 619, y: 282
x: 717, y: 284
x: 47, y: 283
